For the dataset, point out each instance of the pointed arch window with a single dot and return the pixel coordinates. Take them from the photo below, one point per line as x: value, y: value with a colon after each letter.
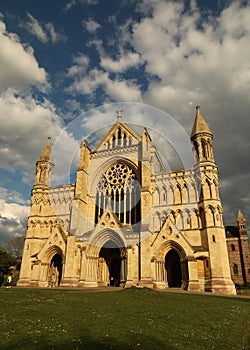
x: 113, y: 141
x: 209, y: 188
x: 179, y: 193
x: 119, y: 134
x: 235, y: 269
x: 196, y: 149
x: 124, y: 139
x: 164, y: 195
x: 119, y: 187
x: 186, y: 196
x: 204, y: 148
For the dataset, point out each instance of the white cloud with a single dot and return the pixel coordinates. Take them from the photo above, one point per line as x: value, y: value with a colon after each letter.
x: 19, y: 67
x: 81, y: 63
x: 13, y: 210
x: 53, y: 35
x: 35, y: 28
x: 206, y: 62
x: 25, y: 126
x: 197, y: 61
x: 126, y: 61
x: 91, y: 25
x: 115, y: 89
x: 13, y: 219
x: 44, y: 33
x: 73, y: 3
x: 12, y: 196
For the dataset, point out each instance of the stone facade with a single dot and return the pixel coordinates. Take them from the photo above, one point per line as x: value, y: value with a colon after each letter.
x: 127, y: 221
x: 239, y: 251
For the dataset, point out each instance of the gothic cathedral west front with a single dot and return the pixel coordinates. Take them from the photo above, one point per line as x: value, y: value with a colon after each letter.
x: 127, y: 221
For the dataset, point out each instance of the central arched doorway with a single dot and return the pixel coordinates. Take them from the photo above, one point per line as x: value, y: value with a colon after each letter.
x: 173, y: 268
x: 109, y: 266
x: 56, y: 268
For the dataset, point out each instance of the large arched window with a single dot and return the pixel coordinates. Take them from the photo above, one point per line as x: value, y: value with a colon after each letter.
x: 119, y: 187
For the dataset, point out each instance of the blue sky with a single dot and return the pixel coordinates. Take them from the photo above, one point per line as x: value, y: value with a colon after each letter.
x: 61, y: 59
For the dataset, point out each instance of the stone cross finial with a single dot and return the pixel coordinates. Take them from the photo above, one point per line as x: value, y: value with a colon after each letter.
x: 198, y: 110
x: 119, y: 113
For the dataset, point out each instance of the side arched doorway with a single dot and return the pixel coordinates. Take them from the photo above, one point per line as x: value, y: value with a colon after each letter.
x: 56, y: 268
x: 109, y: 265
x: 173, y: 268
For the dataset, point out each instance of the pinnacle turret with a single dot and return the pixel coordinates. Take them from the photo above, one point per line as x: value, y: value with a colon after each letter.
x: 200, y: 126
x: 241, y: 223
x: 46, y: 154
x: 241, y: 217
x: 44, y: 166
x: 202, y: 139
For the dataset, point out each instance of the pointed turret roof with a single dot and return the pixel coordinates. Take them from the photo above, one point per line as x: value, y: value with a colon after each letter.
x: 46, y: 154
x: 241, y: 217
x: 200, y: 126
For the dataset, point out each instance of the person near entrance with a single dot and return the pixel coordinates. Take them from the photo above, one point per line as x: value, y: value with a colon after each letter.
x: 52, y: 281
x: 9, y: 279
x: 1, y: 279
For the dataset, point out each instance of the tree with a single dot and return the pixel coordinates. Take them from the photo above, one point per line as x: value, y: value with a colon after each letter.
x: 15, y: 246
x: 6, y: 260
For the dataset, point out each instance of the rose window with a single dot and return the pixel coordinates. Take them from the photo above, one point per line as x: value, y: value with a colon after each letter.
x: 118, y: 187
x: 117, y: 174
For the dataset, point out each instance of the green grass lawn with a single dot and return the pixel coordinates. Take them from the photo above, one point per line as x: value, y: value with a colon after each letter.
x: 125, y: 319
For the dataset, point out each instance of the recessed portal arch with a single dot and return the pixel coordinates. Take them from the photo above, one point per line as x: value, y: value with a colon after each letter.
x: 55, y: 268
x: 172, y: 265
x: 111, y: 265
x: 111, y: 256
x: 173, y: 268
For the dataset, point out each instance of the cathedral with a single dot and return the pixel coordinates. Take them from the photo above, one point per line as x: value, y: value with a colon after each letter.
x: 127, y: 221
x: 239, y: 251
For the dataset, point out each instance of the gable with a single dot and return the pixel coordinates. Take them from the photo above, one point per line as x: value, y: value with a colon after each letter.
x: 57, y: 239
x: 120, y: 135
x: 109, y: 219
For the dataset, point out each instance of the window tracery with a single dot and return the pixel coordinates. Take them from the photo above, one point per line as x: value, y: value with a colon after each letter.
x: 119, y: 187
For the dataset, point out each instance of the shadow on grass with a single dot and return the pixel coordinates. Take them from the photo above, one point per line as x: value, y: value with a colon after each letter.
x: 88, y: 342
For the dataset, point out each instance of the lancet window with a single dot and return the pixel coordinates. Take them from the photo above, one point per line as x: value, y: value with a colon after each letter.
x: 204, y: 148
x: 119, y: 189
x: 118, y: 139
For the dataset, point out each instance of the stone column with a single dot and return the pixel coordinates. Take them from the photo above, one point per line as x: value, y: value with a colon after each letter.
x: 44, y: 275
x: 70, y: 279
x: 91, y: 272
x: 132, y: 266
x: 123, y: 274
x: 83, y: 267
x: 161, y: 281
x: 193, y: 282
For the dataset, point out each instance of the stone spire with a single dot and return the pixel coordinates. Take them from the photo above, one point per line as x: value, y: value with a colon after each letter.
x: 200, y: 126
x: 46, y: 155
x: 44, y: 166
x: 202, y: 139
x: 242, y: 224
x: 241, y: 217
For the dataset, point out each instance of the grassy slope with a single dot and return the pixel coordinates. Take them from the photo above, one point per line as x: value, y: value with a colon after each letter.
x: 127, y: 319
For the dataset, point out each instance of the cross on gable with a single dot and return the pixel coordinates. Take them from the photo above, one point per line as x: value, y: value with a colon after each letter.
x: 119, y: 112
